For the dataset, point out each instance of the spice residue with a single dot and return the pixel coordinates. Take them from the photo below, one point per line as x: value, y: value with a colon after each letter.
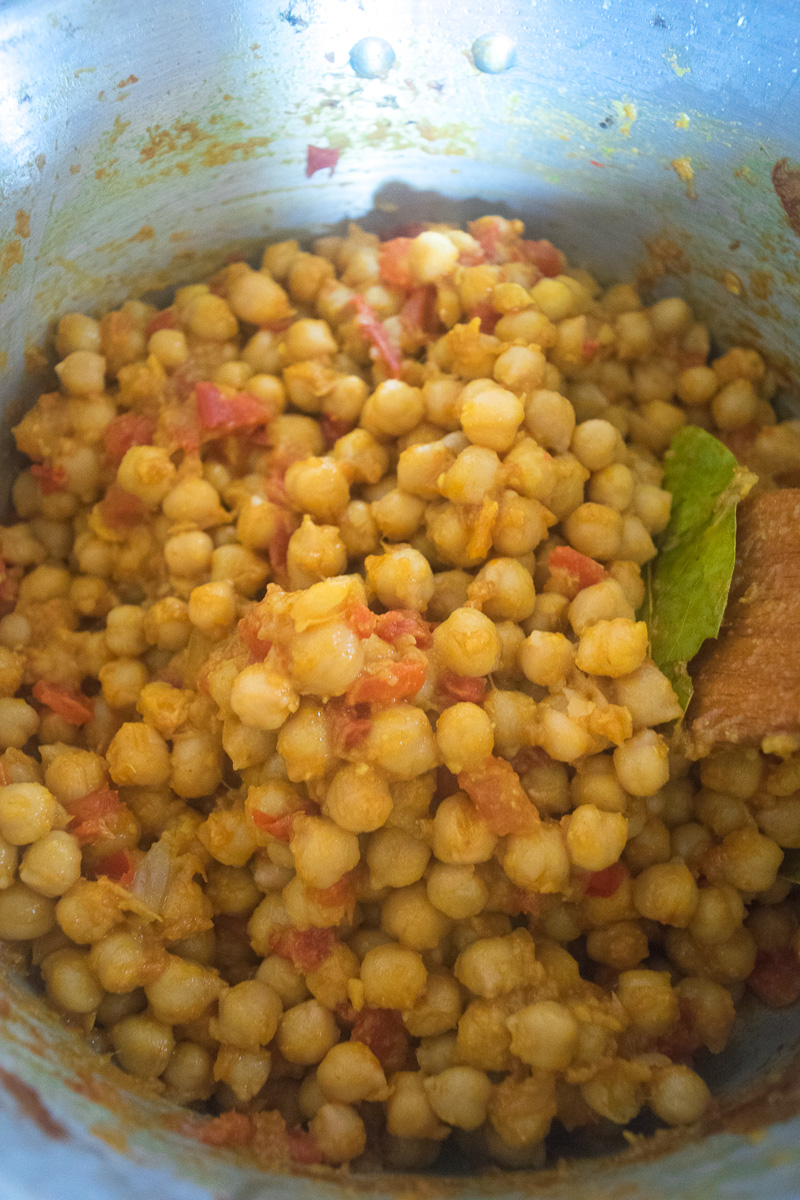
x: 31, y: 1105
x: 786, y: 181
x: 685, y: 172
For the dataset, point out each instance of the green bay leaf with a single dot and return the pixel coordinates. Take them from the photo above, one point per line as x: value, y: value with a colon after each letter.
x: 687, y: 585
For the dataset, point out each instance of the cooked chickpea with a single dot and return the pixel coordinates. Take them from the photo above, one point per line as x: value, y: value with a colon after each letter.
x: 52, y: 864
x: 678, y: 1095
x: 544, y: 1034
x: 393, y: 976
x: 467, y: 642
x: 28, y: 812
x: 252, y: 736
x: 595, y: 838
x: 82, y: 372
x: 358, y: 798
x: 464, y: 736
x: 393, y: 409
x: 491, y: 418
x: 322, y: 851
x: 546, y: 658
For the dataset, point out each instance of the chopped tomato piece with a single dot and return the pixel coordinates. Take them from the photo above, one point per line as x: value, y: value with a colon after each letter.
x: 544, y: 255
x: 382, y: 1030
x: 231, y: 1129
x: 590, y: 347
x: 462, y: 687
x: 410, y: 229
x: 306, y: 949
x: 419, y: 311
x: 488, y: 232
x: 118, y: 867
x: 51, y: 478
x: 126, y: 430
x: 373, y: 329
x: 179, y: 422
x: 341, y: 894
x: 347, y: 726
x: 522, y: 901
x: 573, y: 571
x: 332, y: 428
x: 529, y: 757
x: 385, y: 682
x: 220, y: 414
x: 499, y: 797
x: 93, y: 816
x: 249, y: 628
x: 120, y: 509
x: 740, y: 440
x: 488, y: 315
x: 275, y: 486
x: 393, y: 262
x: 775, y: 978
x: 166, y: 319
x: 68, y: 703
x: 279, y: 827
x: 319, y: 158
x: 9, y: 586
x: 682, y: 1041
x: 401, y: 623
x: 361, y: 620
x: 602, y: 884
x: 278, y: 549
x: 303, y: 1147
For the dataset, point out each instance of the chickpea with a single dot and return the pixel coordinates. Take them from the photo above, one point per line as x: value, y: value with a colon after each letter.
x: 467, y: 642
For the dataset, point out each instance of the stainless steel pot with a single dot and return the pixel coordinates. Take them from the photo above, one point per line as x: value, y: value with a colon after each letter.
x: 141, y: 142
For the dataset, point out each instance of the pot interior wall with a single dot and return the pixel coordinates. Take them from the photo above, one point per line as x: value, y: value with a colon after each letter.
x: 141, y: 144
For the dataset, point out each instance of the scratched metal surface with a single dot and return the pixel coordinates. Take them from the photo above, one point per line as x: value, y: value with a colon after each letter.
x: 141, y: 142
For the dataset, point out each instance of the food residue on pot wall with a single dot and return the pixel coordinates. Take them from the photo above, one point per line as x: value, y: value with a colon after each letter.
x: 786, y: 181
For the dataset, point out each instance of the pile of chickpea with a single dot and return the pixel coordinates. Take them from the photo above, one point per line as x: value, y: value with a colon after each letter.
x: 332, y: 777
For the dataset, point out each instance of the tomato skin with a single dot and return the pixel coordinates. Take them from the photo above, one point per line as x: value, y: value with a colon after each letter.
x: 605, y: 883
x: 219, y: 414
x: 163, y: 320
x: 303, y: 1148
x: 332, y: 428
x: 362, y: 621
x: 387, y: 682
x: 230, y: 1129
x: 544, y: 256
x: 419, y: 313
x: 775, y: 979
x: 488, y: 314
x: 373, y: 329
x: 393, y: 262
x: 573, y: 571
x: 499, y: 797
x: 471, y: 688
x: 51, y: 478
x: 93, y: 816
x: 348, y: 725
x: 126, y: 430
x: 401, y: 622
x: 383, y: 1031
x: 120, y: 509
x: 118, y: 866
x: 306, y: 949
x: 320, y: 158
x: 341, y: 894
x: 72, y: 705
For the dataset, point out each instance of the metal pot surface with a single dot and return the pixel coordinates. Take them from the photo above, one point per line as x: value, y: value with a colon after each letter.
x: 140, y: 143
